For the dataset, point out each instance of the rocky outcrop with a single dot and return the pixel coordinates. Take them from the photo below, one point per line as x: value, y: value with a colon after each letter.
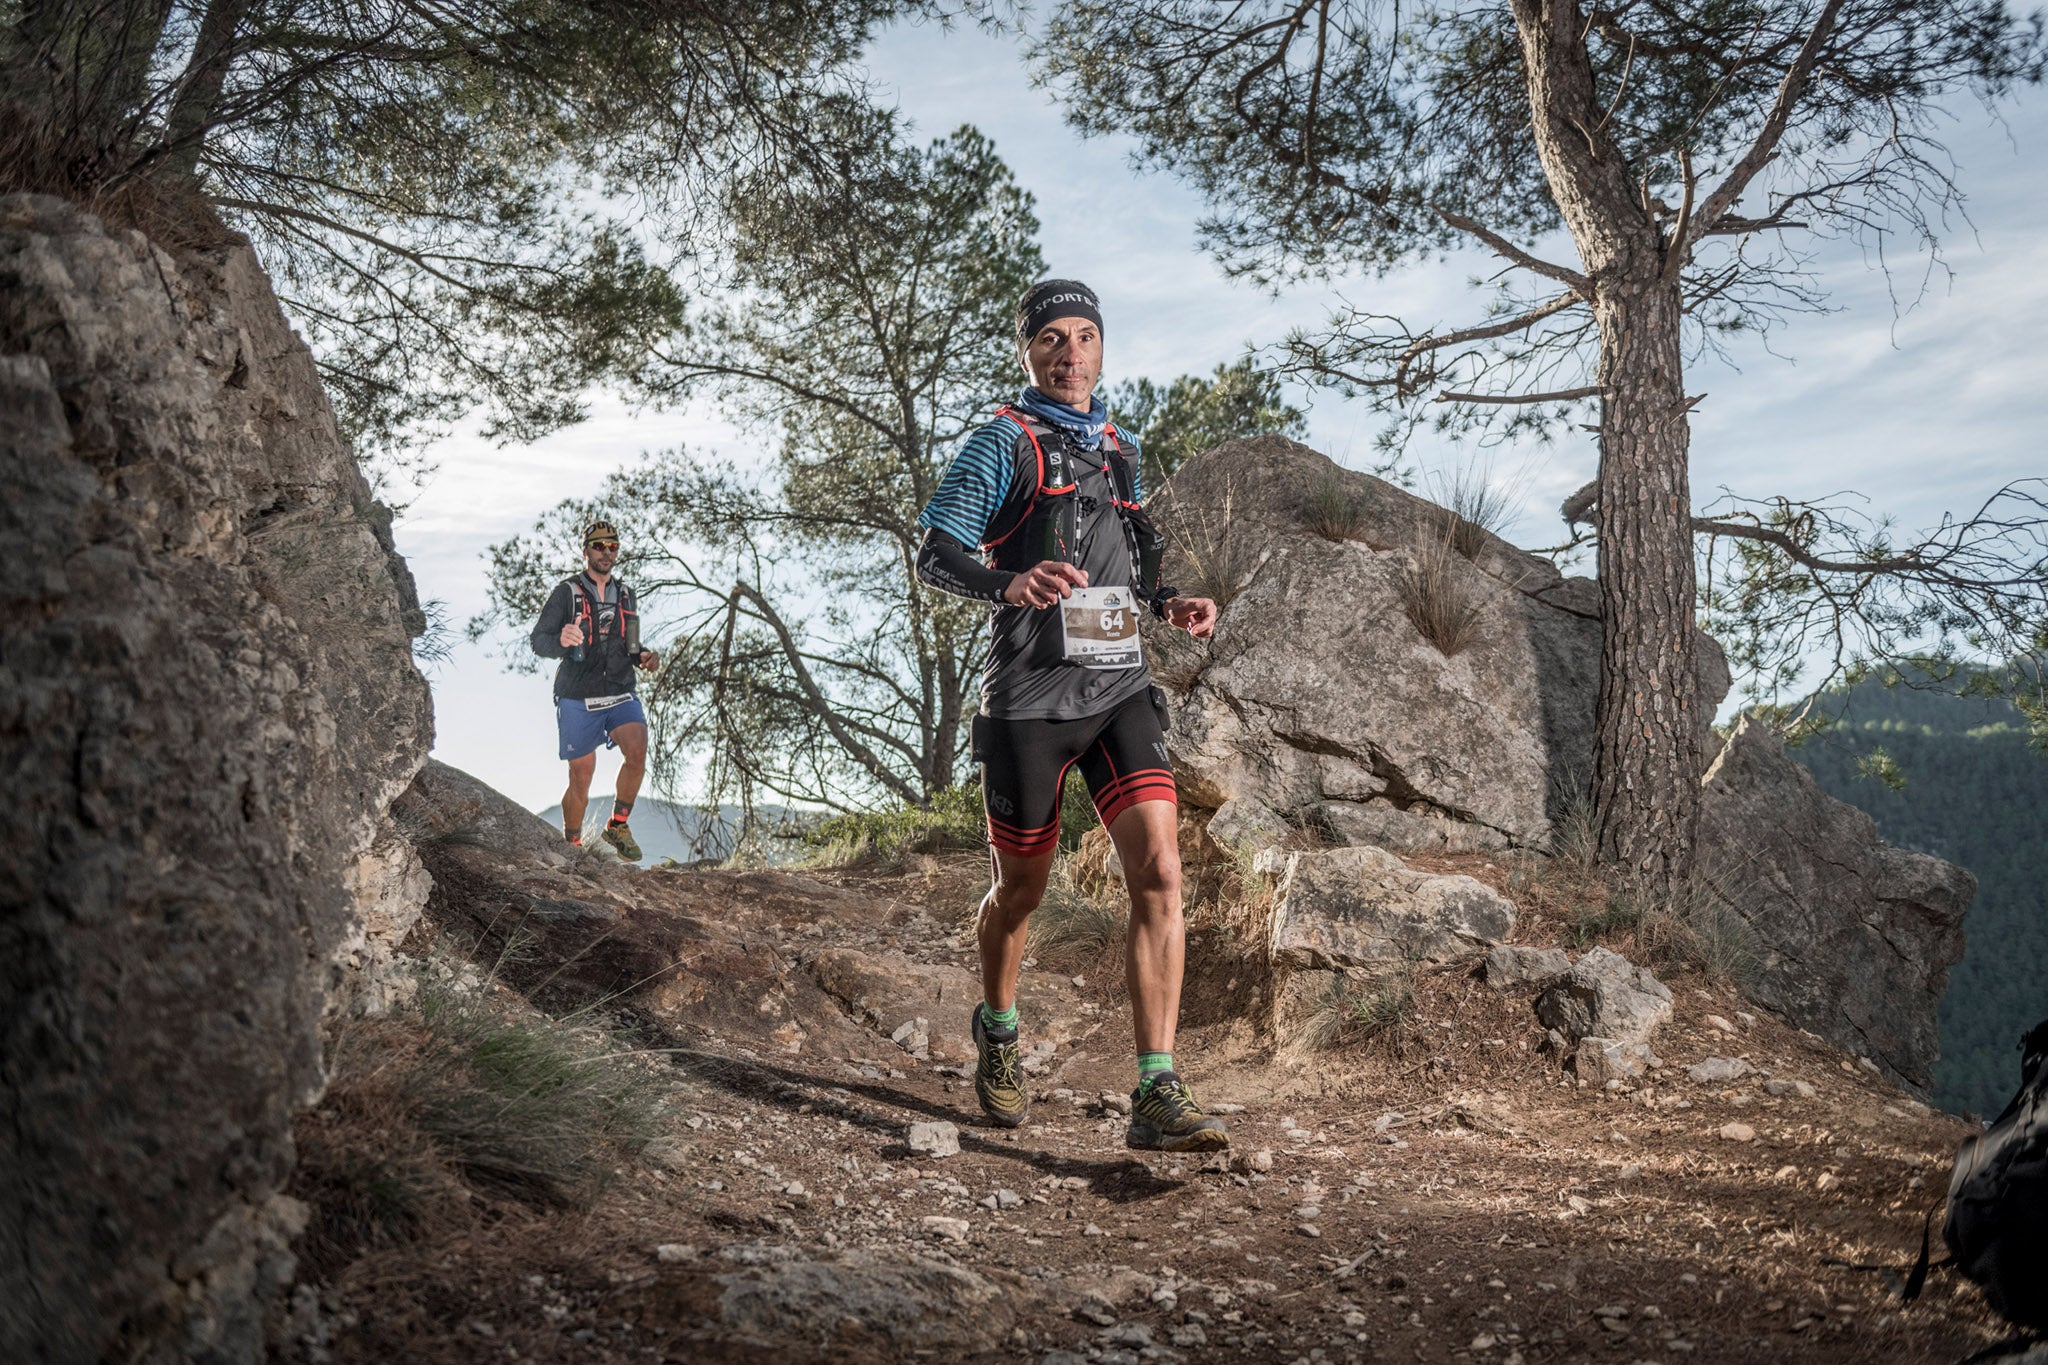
x: 1363, y: 907
x: 210, y: 701
x: 1320, y: 700
x: 1319, y: 710
x: 1851, y: 937
x: 1349, y: 919
x: 1604, y: 995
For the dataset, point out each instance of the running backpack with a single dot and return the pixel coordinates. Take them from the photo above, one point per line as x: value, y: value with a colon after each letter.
x: 590, y: 615
x: 1048, y: 517
x: 1997, y: 1228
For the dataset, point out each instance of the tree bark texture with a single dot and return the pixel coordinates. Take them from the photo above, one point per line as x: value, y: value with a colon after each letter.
x: 1646, y: 757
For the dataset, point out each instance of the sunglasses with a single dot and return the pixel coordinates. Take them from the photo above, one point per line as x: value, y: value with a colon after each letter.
x: 600, y: 545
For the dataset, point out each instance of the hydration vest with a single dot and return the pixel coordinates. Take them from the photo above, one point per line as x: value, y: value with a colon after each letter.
x: 591, y: 617
x: 1044, y: 526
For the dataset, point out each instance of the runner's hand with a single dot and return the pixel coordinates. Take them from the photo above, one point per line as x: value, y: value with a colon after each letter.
x: 1195, y: 615
x: 649, y: 660
x: 572, y: 635
x: 1044, y: 585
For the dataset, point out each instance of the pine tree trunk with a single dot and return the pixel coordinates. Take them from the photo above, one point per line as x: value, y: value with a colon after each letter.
x: 1646, y: 759
x: 1646, y: 752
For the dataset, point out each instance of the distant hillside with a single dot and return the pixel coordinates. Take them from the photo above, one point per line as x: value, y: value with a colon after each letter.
x: 665, y: 829
x: 1976, y: 794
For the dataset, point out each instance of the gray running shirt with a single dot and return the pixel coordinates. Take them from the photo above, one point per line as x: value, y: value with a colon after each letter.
x: 1028, y: 677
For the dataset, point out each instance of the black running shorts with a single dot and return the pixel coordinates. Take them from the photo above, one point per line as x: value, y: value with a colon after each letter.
x: 1122, y: 754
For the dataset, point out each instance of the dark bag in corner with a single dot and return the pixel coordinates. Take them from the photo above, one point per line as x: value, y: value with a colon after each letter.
x: 1997, y: 1228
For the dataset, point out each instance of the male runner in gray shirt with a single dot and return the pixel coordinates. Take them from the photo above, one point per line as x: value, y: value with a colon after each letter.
x: 1049, y: 491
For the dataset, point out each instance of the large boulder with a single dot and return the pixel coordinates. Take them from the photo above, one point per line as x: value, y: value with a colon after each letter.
x: 210, y: 702
x: 1320, y: 700
x: 1852, y: 938
x: 1364, y: 907
x: 1605, y: 996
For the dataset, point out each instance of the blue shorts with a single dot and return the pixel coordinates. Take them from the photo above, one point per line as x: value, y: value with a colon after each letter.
x: 581, y: 729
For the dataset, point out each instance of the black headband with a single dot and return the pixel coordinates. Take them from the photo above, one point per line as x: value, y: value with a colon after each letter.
x: 1070, y: 302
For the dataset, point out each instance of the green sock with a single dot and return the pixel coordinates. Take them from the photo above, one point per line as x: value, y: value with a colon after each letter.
x: 998, y: 1021
x: 1150, y: 1064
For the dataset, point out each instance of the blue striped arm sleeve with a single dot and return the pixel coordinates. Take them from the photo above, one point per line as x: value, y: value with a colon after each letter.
x: 975, y: 484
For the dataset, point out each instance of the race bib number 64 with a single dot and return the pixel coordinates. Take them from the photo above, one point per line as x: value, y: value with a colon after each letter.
x: 1099, y: 628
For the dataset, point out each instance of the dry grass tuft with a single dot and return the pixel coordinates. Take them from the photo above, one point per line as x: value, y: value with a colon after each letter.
x: 1332, y: 510
x: 1474, y: 507
x: 1219, y: 561
x: 1077, y: 929
x: 1441, y: 605
x: 1350, y: 1013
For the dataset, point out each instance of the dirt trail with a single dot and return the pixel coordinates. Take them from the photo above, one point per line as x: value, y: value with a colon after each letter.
x: 1441, y: 1193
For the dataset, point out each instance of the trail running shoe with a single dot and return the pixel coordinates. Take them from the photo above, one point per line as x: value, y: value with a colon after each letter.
x: 1165, y: 1117
x: 998, y: 1080
x: 620, y: 837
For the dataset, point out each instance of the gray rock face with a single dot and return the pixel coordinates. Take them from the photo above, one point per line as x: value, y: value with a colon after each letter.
x: 1853, y: 937
x: 1319, y: 696
x: 210, y: 703
x: 1363, y: 907
x: 1600, y: 1060
x: 1714, y: 1070
x: 1511, y: 966
x: 1605, y: 995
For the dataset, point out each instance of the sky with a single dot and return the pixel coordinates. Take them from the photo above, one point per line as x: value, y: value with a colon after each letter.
x: 1925, y: 410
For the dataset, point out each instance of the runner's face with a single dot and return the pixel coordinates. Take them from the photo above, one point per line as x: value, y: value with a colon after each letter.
x: 1065, y: 361
x: 601, y: 556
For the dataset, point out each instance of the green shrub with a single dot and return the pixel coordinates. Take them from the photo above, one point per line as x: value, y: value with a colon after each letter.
x: 953, y: 820
x: 429, y: 1107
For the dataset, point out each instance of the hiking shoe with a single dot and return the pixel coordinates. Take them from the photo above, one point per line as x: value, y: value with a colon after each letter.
x: 998, y: 1080
x: 620, y: 837
x: 1165, y: 1117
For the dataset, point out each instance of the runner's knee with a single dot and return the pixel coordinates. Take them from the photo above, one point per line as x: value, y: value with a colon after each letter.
x: 1154, y: 871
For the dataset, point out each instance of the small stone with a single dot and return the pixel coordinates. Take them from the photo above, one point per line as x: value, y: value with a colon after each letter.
x: 1738, y: 1132
x: 1386, y: 1121
x: 1116, y: 1102
x: 1784, y: 1173
x: 1308, y: 1230
x: 1190, y: 1335
x: 1484, y: 1342
x: 1631, y: 1172
x: 1826, y: 1180
x: 935, y: 1140
x: 946, y: 1229
x: 795, y: 1189
x: 1717, y: 1022
x: 1262, y: 1159
x: 1308, y: 1213
x: 1714, y: 1070
x: 1226, y: 1109
x: 1126, y: 1334
x: 1748, y: 1020
x: 1093, y: 1231
x: 671, y: 1252
x: 1007, y: 1199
